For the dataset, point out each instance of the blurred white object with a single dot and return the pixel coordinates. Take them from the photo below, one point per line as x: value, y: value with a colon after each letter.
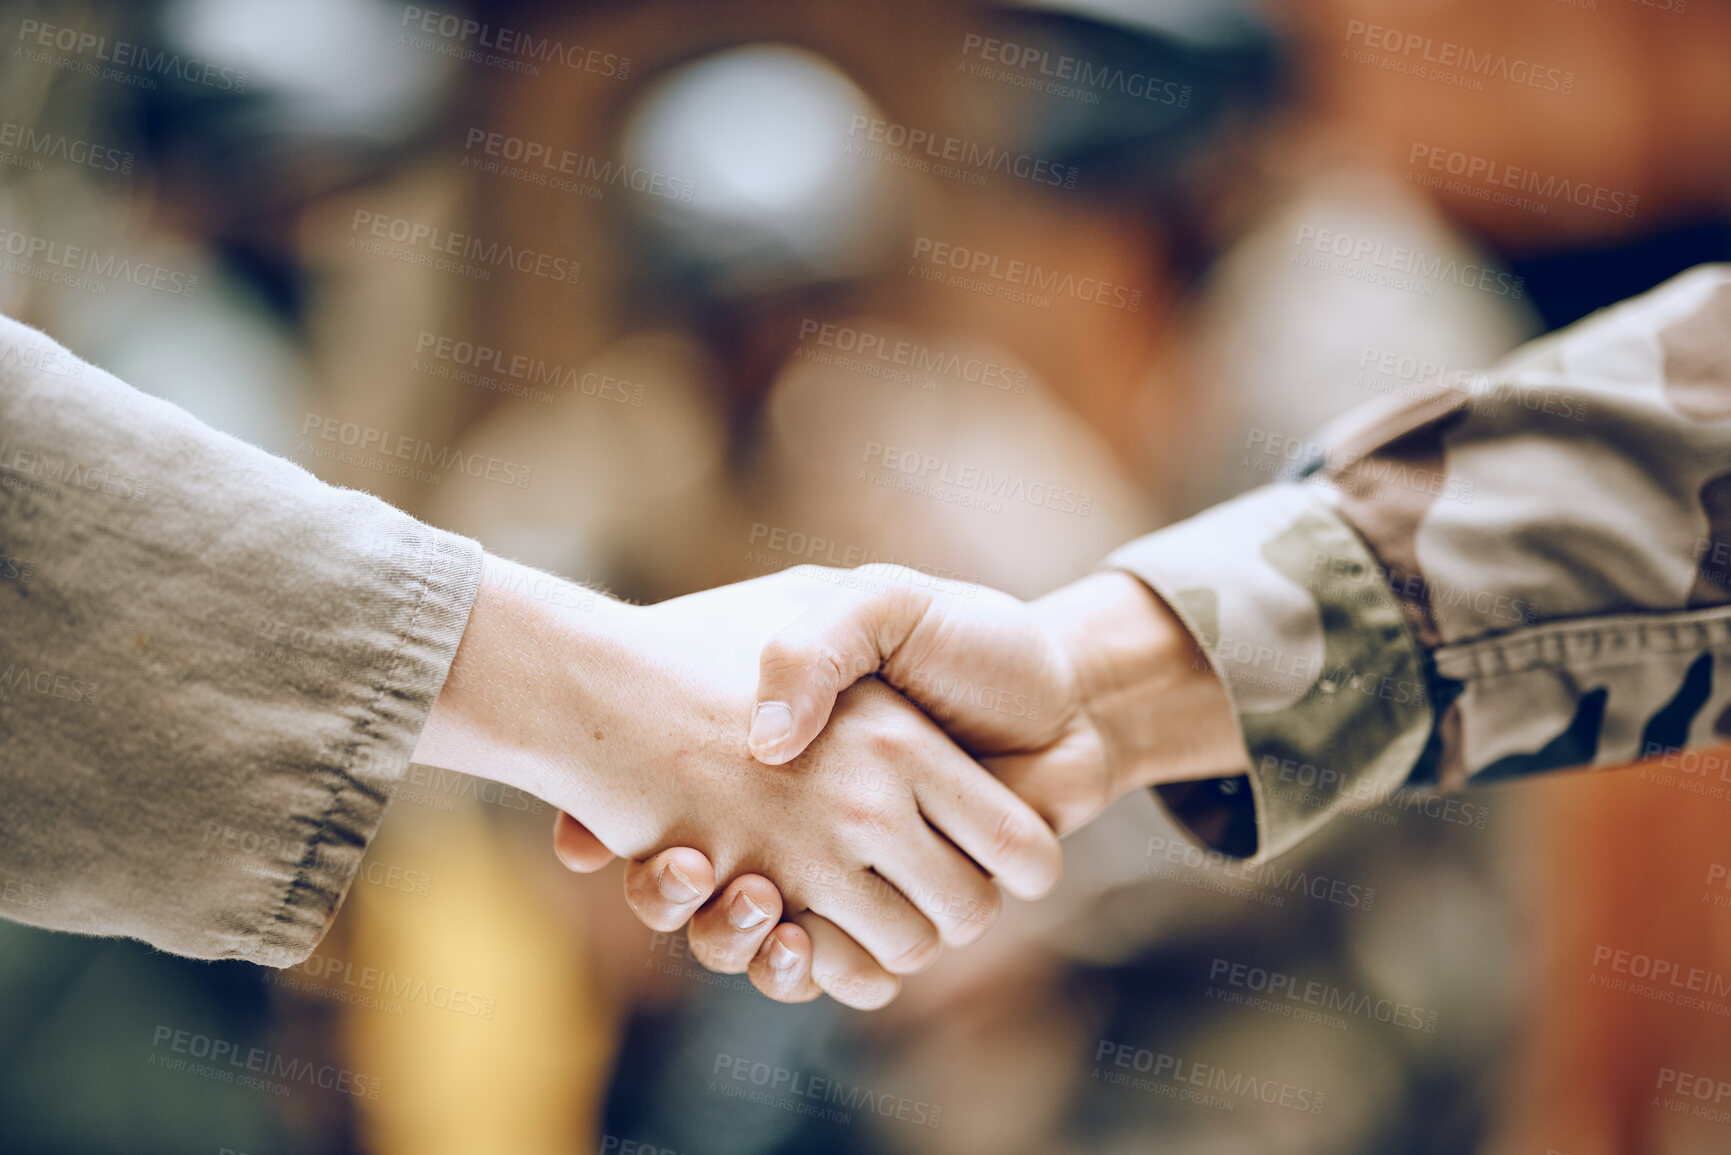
x: 760, y: 133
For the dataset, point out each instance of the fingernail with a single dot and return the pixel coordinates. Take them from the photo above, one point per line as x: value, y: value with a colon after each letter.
x: 675, y: 886
x: 744, y: 913
x: 780, y: 958
x: 771, y: 723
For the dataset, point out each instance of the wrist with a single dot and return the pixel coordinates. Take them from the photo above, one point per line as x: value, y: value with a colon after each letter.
x: 1160, y: 710
x: 505, y: 695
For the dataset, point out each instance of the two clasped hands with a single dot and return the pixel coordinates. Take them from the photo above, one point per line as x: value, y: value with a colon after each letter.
x: 865, y: 757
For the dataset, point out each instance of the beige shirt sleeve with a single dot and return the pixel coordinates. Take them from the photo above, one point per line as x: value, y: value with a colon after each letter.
x: 213, y: 668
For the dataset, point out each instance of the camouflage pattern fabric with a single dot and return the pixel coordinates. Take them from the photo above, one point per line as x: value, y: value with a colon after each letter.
x: 1525, y: 571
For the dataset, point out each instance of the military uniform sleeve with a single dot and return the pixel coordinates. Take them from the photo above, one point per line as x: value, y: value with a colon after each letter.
x: 1526, y: 571
x: 213, y: 668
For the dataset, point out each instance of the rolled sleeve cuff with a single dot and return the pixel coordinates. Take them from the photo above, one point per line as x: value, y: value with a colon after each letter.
x: 342, y: 801
x: 1326, y: 680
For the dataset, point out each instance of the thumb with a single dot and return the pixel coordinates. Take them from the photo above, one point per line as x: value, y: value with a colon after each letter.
x: 805, y: 666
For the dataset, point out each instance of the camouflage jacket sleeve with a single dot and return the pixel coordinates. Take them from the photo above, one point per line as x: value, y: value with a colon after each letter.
x: 1528, y: 571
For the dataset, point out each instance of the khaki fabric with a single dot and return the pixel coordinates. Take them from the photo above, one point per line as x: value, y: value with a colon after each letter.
x: 1526, y: 571
x: 213, y: 668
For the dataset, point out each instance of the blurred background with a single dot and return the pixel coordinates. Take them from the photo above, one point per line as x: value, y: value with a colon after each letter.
x: 702, y: 273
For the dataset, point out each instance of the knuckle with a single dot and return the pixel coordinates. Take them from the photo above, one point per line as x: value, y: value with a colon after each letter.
x: 977, y: 914
x: 867, y: 814
x: 1029, y: 849
x: 1014, y: 840
x: 829, y: 669
x: 781, y: 655
x: 918, y: 956
x: 894, y: 741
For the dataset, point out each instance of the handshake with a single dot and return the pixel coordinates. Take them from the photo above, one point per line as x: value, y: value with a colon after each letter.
x: 866, y: 758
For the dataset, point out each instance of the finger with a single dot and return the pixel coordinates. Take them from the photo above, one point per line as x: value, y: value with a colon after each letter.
x: 818, y: 655
x: 880, y: 919
x: 782, y: 968
x: 666, y: 889
x: 843, y: 969
x: 991, y: 825
x: 576, y: 847
x: 949, y: 890
x: 1065, y: 783
x: 729, y: 929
